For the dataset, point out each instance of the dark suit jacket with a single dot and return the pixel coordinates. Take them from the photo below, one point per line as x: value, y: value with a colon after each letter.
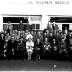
x: 20, y: 27
x: 55, y: 27
x: 38, y: 45
x: 28, y: 27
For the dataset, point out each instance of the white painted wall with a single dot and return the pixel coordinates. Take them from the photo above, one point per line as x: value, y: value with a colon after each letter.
x: 23, y: 7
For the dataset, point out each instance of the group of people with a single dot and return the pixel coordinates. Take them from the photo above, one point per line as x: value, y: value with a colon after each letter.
x: 37, y: 45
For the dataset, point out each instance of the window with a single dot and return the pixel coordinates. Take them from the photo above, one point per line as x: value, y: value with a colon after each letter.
x: 14, y: 19
x: 35, y: 27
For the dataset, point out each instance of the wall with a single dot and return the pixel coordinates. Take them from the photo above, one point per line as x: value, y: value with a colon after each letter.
x: 26, y: 7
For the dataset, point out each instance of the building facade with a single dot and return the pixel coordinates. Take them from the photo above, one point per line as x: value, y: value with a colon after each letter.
x: 37, y: 14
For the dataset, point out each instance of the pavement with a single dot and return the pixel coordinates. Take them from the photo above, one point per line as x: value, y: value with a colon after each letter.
x: 39, y: 65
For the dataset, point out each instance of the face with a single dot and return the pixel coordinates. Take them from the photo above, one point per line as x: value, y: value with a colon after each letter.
x: 5, y: 32
x: 32, y: 32
x: 38, y: 33
x: 53, y: 40
x: 12, y: 38
x: 2, y: 35
x: 71, y: 33
x: 62, y: 40
x: 46, y: 39
x: 47, y: 31
x: 21, y: 39
x: 26, y: 31
x: 51, y: 34
x: 38, y: 40
x: 18, y: 32
x: 45, y: 34
x: 13, y: 34
x: 15, y: 30
x: 21, y: 35
x: 20, y: 21
x: 9, y: 22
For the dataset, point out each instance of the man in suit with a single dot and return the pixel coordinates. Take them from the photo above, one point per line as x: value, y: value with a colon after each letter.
x: 46, y: 48
x: 21, y: 48
x: 51, y: 37
x: 55, y: 27
x: 69, y: 48
x: 58, y: 37
x: 9, y: 28
x: 34, y: 36
x: 63, y: 49
x: 11, y: 48
x: 21, y: 26
x: 39, y: 36
x: 49, y: 27
x: 44, y: 36
x: 28, y: 27
x: 54, y: 46
x: 38, y: 48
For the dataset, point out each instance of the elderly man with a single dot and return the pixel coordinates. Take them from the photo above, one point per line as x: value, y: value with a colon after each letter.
x: 38, y: 48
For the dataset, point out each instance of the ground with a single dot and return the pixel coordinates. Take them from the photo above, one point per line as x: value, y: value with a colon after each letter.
x: 41, y: 65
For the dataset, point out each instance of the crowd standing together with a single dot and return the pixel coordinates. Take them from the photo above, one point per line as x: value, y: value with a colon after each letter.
x: 28, y: 44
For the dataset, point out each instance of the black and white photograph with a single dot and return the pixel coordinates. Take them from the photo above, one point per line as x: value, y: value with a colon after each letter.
x: 36, y: 35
